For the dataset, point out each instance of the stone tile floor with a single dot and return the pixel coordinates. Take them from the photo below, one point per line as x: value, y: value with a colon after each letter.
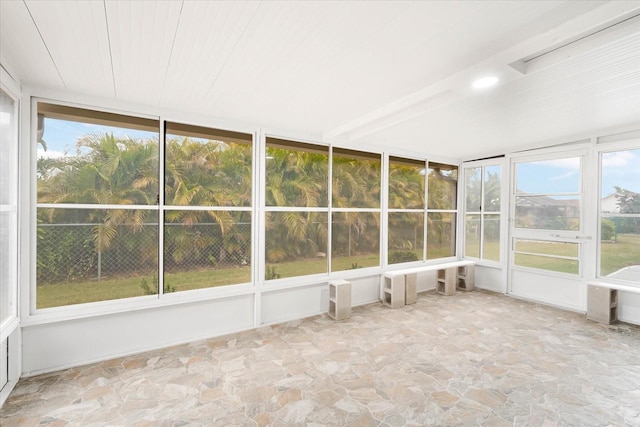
x: 471, y: 359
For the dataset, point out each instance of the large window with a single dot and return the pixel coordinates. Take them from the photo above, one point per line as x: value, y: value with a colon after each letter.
x: 355, y: 221
x: 442, y: 210
x: 97, y: 214
x: 412, y: 223
x: 482, y: 212
x: 8, y: 208
x: 620, y: 215
x: 406, y: 210
x: 297, y: 209
x: 131, y: 207
x: 207, y: 207
x: 102, y: 217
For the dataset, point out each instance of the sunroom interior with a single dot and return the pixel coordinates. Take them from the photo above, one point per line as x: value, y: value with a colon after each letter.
x: 173, y: 171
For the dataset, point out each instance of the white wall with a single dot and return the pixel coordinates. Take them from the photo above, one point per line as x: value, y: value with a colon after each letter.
x: 426, y: 281
x: 288, y: 304
x: 56, y: 345
x: 60, y: 344
x: 490, y: 278
x: 554, y: 290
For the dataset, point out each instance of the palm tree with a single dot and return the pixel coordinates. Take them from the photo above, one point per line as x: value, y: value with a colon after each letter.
x: 106, y: 170
x: 296, y: 179
x: 207, y: 173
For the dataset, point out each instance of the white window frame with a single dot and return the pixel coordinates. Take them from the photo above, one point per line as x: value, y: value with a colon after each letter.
x: 610, y: 144
x: 12, y: 321
x: 580, y: 150
x: 33, y: 316
x: 332, y: 210
x: 287, y: 282
x: 501, y: 214
x: 425, y: 211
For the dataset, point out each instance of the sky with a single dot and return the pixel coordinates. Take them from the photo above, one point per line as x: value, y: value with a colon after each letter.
x: 621, y: 168
x: 61, y: 135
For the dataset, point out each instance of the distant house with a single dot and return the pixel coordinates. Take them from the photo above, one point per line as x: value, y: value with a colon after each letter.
x: 544, y: 206
x: 609, y: 203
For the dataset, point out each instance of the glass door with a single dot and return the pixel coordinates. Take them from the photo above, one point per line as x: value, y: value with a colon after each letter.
x: 8, y: 228
x: 547, y: 229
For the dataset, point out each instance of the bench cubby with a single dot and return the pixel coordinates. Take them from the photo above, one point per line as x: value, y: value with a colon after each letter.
x: 466, y: 277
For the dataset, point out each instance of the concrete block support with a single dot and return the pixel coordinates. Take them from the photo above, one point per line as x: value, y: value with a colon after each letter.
x: 394, y: 291
x: 446, y: 281
x: 602, y: 304
x: 339, y: 299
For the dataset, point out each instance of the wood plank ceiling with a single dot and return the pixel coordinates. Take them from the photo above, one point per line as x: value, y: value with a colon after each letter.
x: 359, y: 73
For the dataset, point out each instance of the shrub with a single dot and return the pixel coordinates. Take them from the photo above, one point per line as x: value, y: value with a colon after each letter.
x: 607, y: 229
x: 402, y: 256
x: 153, y: 289
x: 271, y: 273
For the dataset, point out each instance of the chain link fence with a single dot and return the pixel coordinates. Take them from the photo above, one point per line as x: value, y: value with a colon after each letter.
x: 70, y: 253
x: 206, y: 245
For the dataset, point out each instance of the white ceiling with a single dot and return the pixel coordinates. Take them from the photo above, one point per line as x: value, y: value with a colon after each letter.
x: 359, y: 73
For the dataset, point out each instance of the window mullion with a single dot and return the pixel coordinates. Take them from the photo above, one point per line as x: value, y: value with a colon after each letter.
x: 161, y: 205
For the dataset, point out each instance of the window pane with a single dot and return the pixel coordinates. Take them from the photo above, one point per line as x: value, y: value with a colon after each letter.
x: 546, y: 263
x: 620, y: 247
x: 356, y: 179
x: 86, y: 157
x: 8, y: 151
x: 296, y: 174
x: 406, y: 236
x: 205, y: 249
x: 543, y: 254
x: 491, y: 237
x: 8, y: 252
x: 443, y: 186
x: 441, y: 235
x: 87, y: 255
x: 296, y: 244
x: 8, y: 207
x: 492, y: 183
x: 473, y: 199
x: 620, y: 218
x: 549, y: 176
x: 207, y: 167
x: 545, y: 247
x: 549, y: 213
x: 355, y: 240
x: 472, y: 236
x: 406, y: 184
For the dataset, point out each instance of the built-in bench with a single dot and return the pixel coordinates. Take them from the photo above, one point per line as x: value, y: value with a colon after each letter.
x: 602, y: 300
x: 400, y: 286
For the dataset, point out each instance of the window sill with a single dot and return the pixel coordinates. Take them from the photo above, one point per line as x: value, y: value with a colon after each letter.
x: 114, y: 307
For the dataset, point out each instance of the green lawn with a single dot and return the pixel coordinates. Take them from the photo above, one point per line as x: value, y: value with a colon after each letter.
x: 125, y: 287
x: 622, y: 253
x: 615, y: 255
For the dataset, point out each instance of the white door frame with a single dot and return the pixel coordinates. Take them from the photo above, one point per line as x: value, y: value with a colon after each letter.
x: 549, y: 287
